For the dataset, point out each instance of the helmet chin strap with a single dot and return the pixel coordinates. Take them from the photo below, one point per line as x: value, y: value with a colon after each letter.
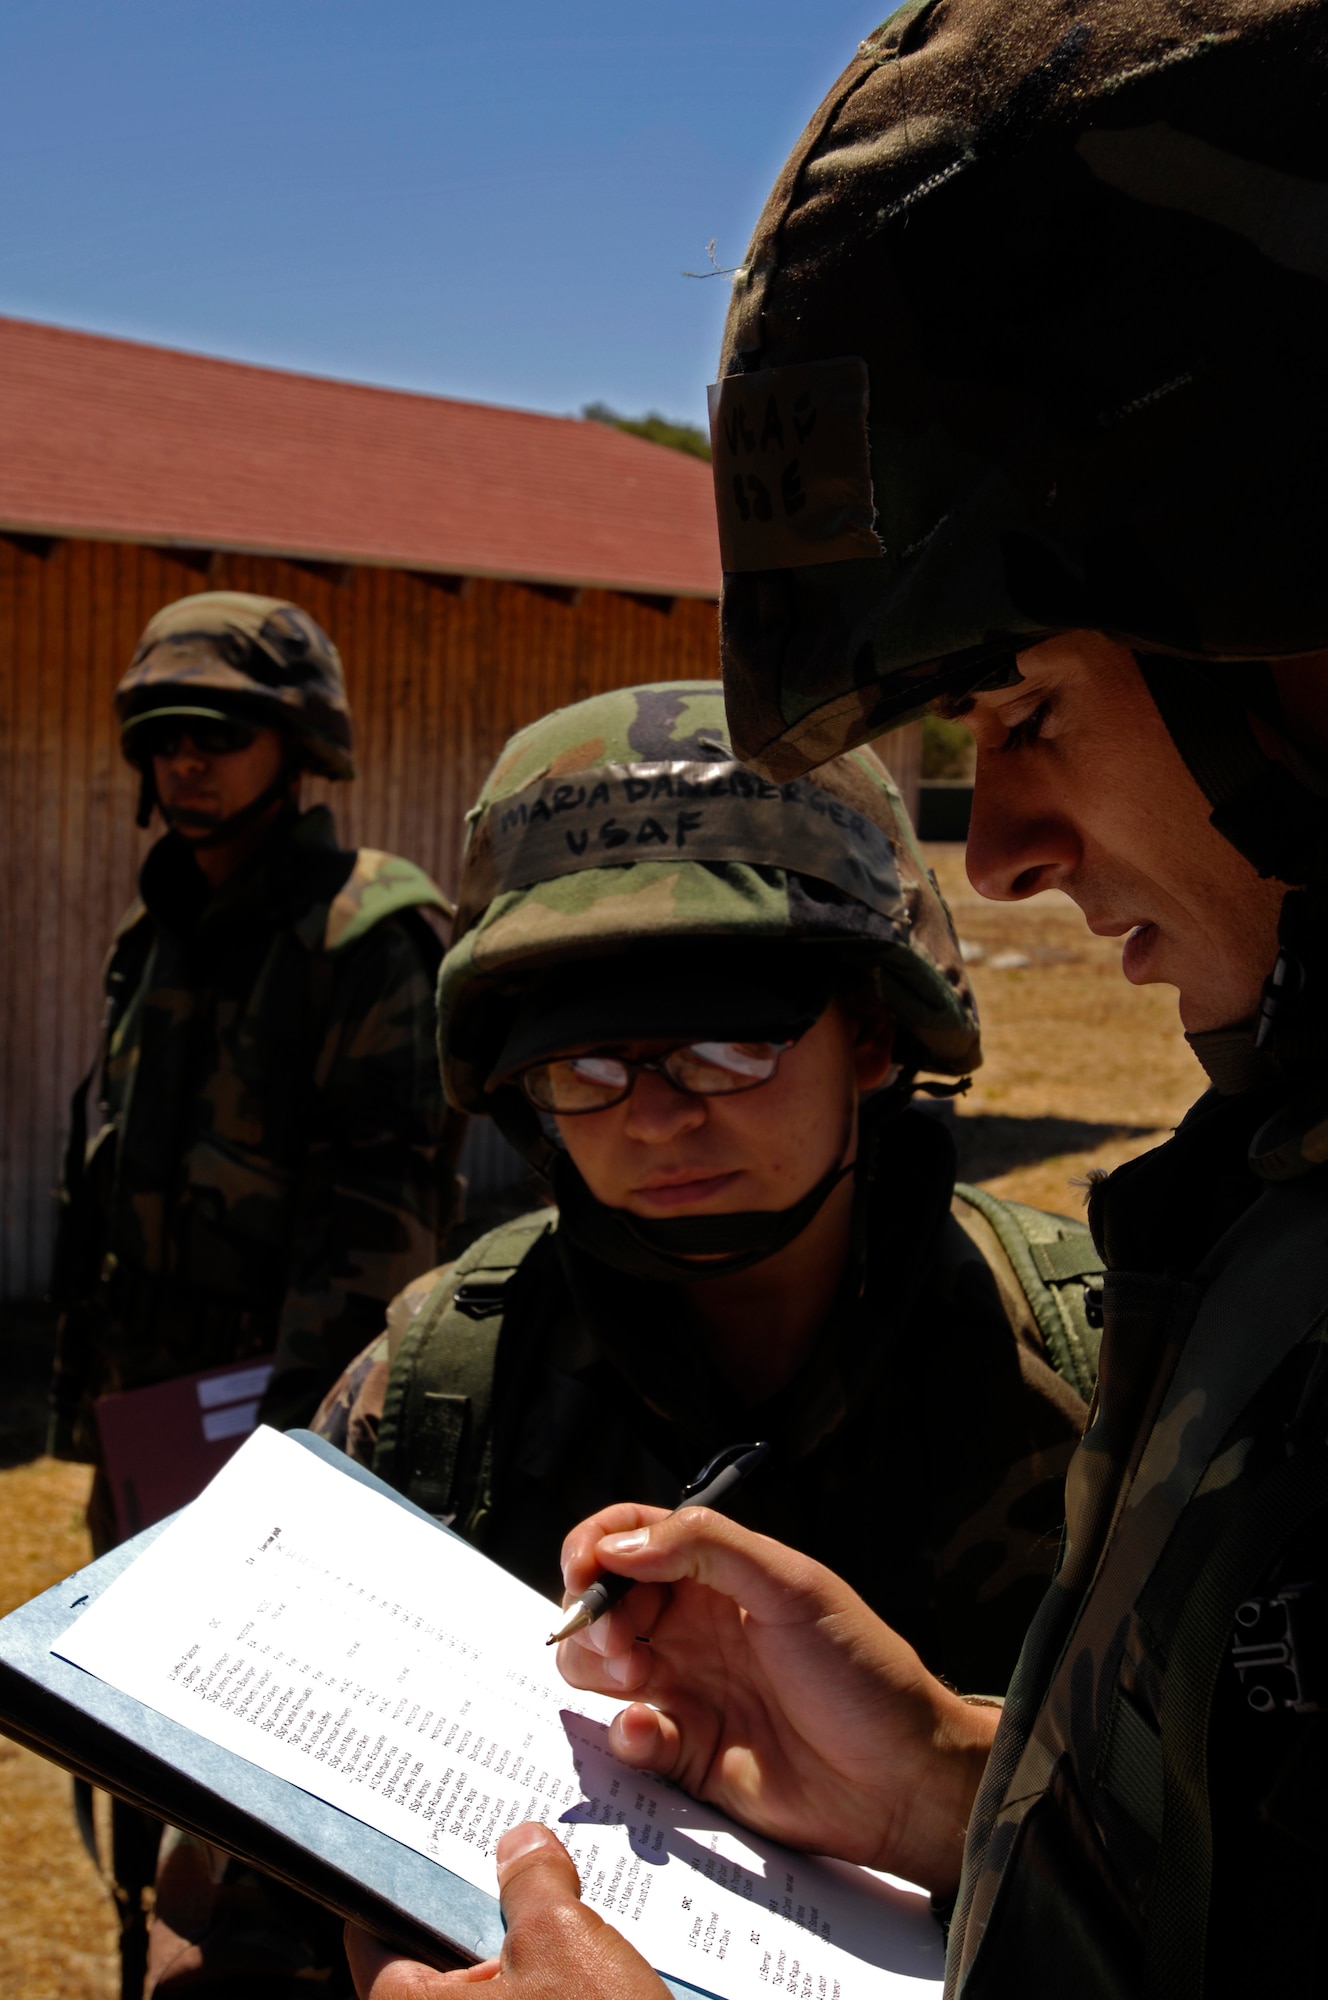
x: 686, y: 1249
x: 182, y: 818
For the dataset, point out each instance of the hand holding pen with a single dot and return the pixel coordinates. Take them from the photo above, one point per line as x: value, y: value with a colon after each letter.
x: 754, y: 1678
x: 711, y: 1486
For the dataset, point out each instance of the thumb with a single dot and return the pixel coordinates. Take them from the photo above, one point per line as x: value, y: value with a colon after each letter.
x: 555, y: 1944
x: 535, y: 1873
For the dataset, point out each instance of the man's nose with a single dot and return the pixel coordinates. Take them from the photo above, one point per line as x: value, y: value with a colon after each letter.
x: 1020, y: 839
x: 656, y: 1112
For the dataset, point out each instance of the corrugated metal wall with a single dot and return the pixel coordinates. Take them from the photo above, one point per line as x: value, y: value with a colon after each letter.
x: 438, y: 679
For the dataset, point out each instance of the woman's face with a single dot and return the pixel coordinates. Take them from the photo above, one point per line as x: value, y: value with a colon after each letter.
x: 663, y: 1152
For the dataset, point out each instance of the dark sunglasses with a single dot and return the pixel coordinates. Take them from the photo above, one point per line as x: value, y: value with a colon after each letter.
x: 571, y: 1086
x: 164, y: 736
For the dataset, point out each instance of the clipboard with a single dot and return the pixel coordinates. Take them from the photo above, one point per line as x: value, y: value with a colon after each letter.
x: 116, y: 1743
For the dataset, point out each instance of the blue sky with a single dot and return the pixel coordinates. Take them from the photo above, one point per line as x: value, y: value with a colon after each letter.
x: 488, y: 201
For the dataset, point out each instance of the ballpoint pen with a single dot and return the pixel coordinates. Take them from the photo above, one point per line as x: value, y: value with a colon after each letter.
x: 711, y: 1485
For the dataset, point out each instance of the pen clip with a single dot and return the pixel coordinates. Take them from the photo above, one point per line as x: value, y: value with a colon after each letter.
x: 729, y: 1456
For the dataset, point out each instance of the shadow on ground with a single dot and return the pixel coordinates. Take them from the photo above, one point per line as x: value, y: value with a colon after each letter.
x: 990, y: 1145
x: 27, y: 1345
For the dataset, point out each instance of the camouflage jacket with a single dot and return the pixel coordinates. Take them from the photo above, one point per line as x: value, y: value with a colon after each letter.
x: 264, y: 1176
x: 1152, y: 1819
x: 928, y: 1403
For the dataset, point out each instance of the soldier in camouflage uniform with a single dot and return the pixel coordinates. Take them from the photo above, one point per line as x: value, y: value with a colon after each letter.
x: 1024, y: 412
x: 263, y: 1177
x: 264, y: 1174
x: 628, y: 887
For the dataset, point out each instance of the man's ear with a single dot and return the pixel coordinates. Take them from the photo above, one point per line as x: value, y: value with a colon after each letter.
x: 873, y: 1049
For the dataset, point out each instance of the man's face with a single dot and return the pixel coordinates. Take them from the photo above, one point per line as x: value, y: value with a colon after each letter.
x: 663, y: 1152
x: 209, y: 787
x: 1079, y: 787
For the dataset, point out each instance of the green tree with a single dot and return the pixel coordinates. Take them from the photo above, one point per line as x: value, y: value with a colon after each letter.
x: 654, y: 428
x: 948, y: 750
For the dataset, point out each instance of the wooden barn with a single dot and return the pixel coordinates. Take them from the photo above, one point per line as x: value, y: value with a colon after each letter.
x: 475, y: 565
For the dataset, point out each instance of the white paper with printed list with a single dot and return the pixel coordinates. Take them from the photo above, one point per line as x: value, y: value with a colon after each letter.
x: 317, y: 1629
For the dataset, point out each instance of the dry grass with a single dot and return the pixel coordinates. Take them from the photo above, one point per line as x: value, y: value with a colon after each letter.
x: 1082, y: 1071
x: 57, y: 1930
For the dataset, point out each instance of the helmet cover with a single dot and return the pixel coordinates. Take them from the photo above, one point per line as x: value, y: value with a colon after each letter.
x: 1029, y: 337
x: 259, y: 658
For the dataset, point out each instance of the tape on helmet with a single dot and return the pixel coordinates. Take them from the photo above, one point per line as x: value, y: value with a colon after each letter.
x: 622, y: 830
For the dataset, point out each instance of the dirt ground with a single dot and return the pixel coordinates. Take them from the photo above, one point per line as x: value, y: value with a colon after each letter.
x: 1082, y: 1071
x: 57, y: 1930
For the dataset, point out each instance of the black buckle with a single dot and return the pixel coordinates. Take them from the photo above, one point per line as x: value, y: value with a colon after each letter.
x: 1274, y: 1648
x: 1095, y: 1300
x: 1286, y: 982
x: 480, y: 1299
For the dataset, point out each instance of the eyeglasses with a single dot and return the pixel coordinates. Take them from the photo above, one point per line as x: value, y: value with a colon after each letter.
x: 572, y: 1086
x: 164, y: 735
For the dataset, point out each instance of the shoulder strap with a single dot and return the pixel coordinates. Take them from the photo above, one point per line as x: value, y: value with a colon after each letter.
x: 379, y: 885
x: 126, y: 962
x: 434, y: 1442
x: 77, y: 1249
x: 1055, y: 1262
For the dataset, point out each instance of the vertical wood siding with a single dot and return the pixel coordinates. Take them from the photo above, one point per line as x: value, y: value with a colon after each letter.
x: 438, y: 679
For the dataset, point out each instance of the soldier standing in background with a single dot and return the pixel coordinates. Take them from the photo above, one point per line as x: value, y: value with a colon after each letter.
x: 265, y: 1174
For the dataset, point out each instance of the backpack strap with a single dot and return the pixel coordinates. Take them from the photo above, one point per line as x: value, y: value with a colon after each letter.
x: 78, y: 1243
x: 435, y: 1441
x: 379, y: 885
x: 1056, y: 1265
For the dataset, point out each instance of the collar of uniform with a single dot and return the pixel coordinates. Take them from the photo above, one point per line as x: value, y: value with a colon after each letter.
x: 316, y: 871
x: 292, y: 877
x: 1293, y: 1142
x: 1229, y: 1058
x: 1164, y: 1210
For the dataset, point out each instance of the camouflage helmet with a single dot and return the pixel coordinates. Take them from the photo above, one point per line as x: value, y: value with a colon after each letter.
x: 227, y: 653
x: 1029, y: 337
x: 624, y: 824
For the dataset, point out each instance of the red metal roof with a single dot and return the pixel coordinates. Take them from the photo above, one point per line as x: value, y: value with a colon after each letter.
x: 120, y: 441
